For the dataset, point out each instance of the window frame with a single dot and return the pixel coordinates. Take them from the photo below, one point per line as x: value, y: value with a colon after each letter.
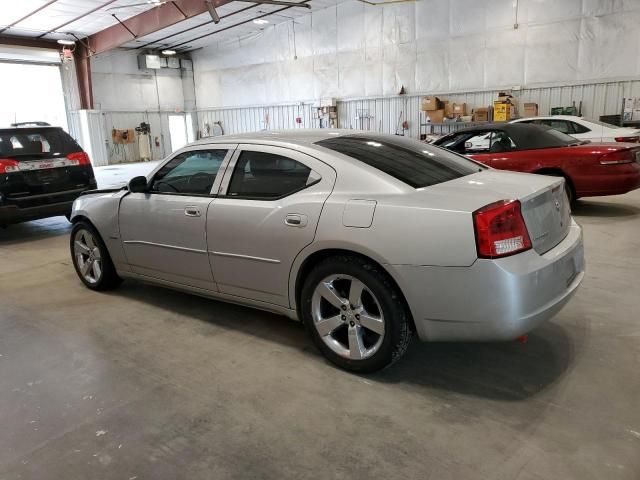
x: 296, y: 155
x: 230, y: 148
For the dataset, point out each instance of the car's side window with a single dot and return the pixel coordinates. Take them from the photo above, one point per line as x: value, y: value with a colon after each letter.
x: 501, y: 142
x: 190, y: 173
x: 560, y: 125
x: 479, y: 142
x: 263, y: 175
x: 577, y: 128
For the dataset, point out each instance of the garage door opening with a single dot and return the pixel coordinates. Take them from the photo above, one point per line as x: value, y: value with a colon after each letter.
x: 32, y: 93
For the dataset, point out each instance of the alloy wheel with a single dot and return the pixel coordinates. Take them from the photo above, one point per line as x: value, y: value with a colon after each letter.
x: 87, y: 256
x: 348, y: 317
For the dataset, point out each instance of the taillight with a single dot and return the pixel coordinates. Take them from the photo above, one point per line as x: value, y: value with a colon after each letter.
x: 617, y: 158
x: 8, y: 166
x: 500, y: 230
x: 79, y: 158
x: 634, y: 139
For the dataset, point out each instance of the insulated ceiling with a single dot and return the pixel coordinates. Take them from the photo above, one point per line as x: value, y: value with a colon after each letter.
x: 58, y: 19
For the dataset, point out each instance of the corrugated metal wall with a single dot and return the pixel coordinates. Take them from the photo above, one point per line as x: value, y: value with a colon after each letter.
x: 387, y: 114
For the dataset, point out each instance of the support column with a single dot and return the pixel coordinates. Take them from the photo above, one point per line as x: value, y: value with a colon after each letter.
x: 83, y: 71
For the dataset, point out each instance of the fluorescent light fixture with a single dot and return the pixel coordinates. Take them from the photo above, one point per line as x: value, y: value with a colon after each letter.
x: 212, y: 11
x: 168, y: 52
x: 260, y: 21
x: 66, y: 42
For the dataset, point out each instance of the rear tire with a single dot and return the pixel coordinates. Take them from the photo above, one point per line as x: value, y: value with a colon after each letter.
x: 355, y: 314
x: 91, y: 258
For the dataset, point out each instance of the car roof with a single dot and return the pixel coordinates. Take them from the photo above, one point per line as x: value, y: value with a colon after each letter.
x: 525, y: 135
x: 299, y: 136
x: 28, y: 129
x: 553, y: 117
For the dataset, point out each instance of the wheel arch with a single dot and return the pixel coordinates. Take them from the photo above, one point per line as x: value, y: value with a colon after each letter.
x: 317, y: 256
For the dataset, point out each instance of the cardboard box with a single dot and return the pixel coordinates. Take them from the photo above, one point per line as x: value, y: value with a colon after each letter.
x: 436, y: 116
x: 448, y: 109
x: 530, y: 110
x: 480, y: 114
x: 503, y: 112
x: 459, y: 109
x: 431, y: 103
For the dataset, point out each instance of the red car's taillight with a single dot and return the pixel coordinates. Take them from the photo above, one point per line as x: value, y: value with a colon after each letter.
x: 617, y: 158
x: 500, y: 230
x: 8, y: 166
x: 80, y: 158
x: 634, y: 139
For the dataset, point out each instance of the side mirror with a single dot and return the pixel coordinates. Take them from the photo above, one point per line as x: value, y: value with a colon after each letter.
x: 138, y: 184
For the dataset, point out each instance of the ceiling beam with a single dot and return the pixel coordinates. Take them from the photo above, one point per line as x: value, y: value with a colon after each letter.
x: 28, y: 42
x: 30, y: 14
x: 148, y: 22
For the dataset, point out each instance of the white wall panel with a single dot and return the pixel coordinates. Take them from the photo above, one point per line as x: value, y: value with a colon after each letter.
x: 355, y: 50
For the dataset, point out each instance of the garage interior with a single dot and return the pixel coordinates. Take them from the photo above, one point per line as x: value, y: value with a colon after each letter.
x: 149, y: 383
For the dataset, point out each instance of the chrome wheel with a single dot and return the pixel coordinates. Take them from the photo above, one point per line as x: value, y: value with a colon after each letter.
x: 348, y: 317
x: 87, y: 256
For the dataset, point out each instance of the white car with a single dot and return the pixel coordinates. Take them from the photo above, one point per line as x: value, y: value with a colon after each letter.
x: 584, y: 129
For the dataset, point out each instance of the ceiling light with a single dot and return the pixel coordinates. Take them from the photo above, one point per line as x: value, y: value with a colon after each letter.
x: 66, y: 42
x: 212, y: 11
x: 168, y: 52
x: 260, y: 21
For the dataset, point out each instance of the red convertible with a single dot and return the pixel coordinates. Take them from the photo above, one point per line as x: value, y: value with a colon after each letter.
x: 590, y: 169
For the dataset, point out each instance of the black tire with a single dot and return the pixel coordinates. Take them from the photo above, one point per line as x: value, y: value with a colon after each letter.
x: 108, y: 279
x: 397, y: 323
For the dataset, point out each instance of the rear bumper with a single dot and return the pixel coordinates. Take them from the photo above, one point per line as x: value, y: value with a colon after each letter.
x: 12, y: 214
x: 34, y: 207
x: 493, y: 299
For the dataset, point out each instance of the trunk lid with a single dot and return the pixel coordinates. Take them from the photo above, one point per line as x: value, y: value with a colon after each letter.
x: 545, y: 206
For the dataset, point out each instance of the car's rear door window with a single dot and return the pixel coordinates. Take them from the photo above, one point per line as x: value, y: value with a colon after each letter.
x: 263, y: 175
x: 189, y: 173
x: 414, y: 163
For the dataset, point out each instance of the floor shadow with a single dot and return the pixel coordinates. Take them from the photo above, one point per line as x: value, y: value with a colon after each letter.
x: 34, y: 230
x: 508, y: 371
x: 591, y: 208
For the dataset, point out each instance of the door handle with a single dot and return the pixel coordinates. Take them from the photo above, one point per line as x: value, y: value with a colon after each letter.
x: 192, y: 211
x: 295, y: 220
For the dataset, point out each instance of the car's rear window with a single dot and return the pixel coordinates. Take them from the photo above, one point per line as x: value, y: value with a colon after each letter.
x: 414, y: 163
x: 17, y: 142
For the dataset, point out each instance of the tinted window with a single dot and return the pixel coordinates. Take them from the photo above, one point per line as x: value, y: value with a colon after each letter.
x: 189, y: 173
x: 266, y: 175
x: 577, y: 128
x: 559, y: 125
x: 411, y: 162
x: 33, y: 141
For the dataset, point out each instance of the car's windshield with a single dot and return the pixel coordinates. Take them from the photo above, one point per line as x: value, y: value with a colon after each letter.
x: 412, y: 162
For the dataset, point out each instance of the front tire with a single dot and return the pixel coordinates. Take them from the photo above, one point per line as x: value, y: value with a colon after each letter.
x: 91, y: 258
x: 355, y: 314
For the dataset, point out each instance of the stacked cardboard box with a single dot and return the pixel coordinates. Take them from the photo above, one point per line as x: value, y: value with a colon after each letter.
x: 530, y: 110
x: 434, y: 108
x: 480, y: 114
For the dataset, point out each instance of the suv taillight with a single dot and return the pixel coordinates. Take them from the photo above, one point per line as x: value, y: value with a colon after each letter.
x: 8, y: 166
x: 633, y: 139
x: 617, y: 158
x: 80, y: 158
x: 500, y: 230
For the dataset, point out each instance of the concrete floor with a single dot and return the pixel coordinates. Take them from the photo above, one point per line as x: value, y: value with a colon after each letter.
x: 146, y: 383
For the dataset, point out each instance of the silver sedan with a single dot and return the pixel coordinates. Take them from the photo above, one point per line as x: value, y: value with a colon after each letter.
x: 366, y: 238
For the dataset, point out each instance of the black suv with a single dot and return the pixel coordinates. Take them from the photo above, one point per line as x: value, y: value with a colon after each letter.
x: 42, y: 171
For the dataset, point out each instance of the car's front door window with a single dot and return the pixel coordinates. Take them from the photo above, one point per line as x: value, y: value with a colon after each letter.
x: 190, y: 173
